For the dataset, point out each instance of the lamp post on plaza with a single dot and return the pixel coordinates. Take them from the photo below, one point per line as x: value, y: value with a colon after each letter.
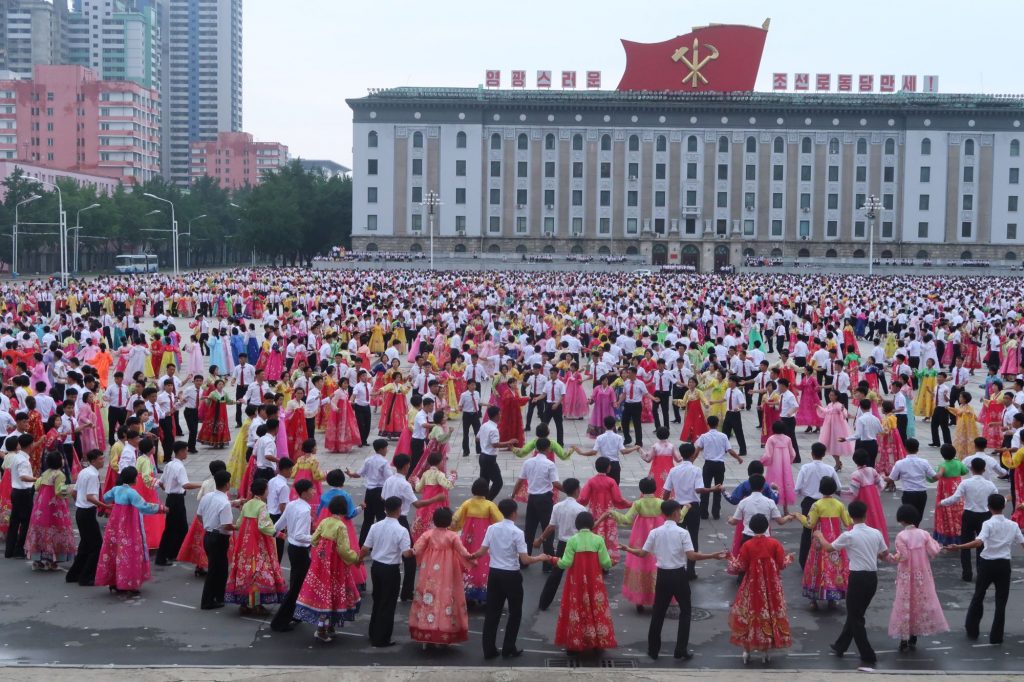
x: 173, y: 230
x: 188, y: 254
x: 431, y: 201
x: 871, y: 208
x: 77, y: 228
x: 14, y: 238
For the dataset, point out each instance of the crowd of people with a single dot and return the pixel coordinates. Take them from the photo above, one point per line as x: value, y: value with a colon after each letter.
x: 108, y: 386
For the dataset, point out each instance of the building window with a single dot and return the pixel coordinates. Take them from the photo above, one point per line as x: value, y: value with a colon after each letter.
x: 858, y: 229
x: 777, y: 200
x: 417, y: 166
x: 805, y: 228
x: 371, y: 166
x: 417, y: 195
x: 832, y: 228
x: 659, y: 199
x: 778, y: 145
x: 926, y: 174
x: 632, y: 198
x: 889, y: 174
x: 926, y: 147
x: 549, y: 169
x: 633, y: 171
x: 966, y: 229
x: 862, y: 146
x: 1011, y: 204
x: 549, y: 197
x: 634, y: 143
x: 460, y: 195
x: 722, y: 200
x: 968, y: 173
x: 521, y: 168
x: 750, y: 172
x: 495, y: 169
x: 833, y: 173
x: 577, y: 197
x: 549, y: 142
x: 691, y: 171
x: 659, y: 171
x: 805, y: 200
x: 778, y: 172
x: 748, y: 228
x: 968, y: 201
x: 371, y: 195
x: 805, y: 145
x: 460, y: 168
x: 460, y: 224
x: 691, y: 143
x: 723, y: 145
x: 417, y: 140
x: 606, y: 169
x: 460, y: 141
x: 833, y: 201
x: 923, y: 202
x: 887, y: 202
x: 748, y: 200
x: 690, y: 226
x: 661, y: 144
x: 631, y: 225
x: 968, y: 147
x: 833, y: 145
x: 521, y: 197
x: 922, y: 230
x: 521, y: 225
x: 890, y: 146
x: 577, y: 142
x: 604, y: 226
x: 1014, y: 176
x: 371, y: 139
x: 886, y: 229
x: 606, y: 143
x: 861, y: 174
x: 577, y: 169
x: 577, y: 226
x: 606, y: 198
x: 859, y: 200
x: 723, y: 171
x: 549, y: 226
x: 751, y: 145
x: 371, y: 222
x: 776, y: 228
x: 1011, y: 231
x: 805, y: 173
x: 494, y: 224
x: 416, y: 223
x: 1014, y: 147
x: 522, y: 142
x: 495, y: 196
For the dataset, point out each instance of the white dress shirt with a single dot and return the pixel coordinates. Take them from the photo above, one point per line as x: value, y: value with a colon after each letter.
x: 863, y: 544
x: 633, y: 391
x: 555, y: 391
x: 504, y: 542
x: 129, y: 455
x: 789, y: 405
x: 669, y: 544
x: 866, y: 427
x: 563, y: 517
x: 809, y: 478
x: 215, y: 511
x: 714, y: 445
x: 278, y: 493
x: 190, y: 397
x: 489, y: 437
x: 755, y: 503
x: 682, y: 481
x: 469, y: 401
x: 992, y: 468
x: 540, y: 473
x: 116, y: 396
x: 536, y: 383
x: 88, y: 483
x: 361, y: 394
x: 914, y: 471
x: 609, y: 444
x: 999, y: 535
x: 375, y: 470
x: 735, y: 400
x: 265, y: 445
x: 312, y: 402
x: 174, y: 478
x: 974, y: 491
x: 387, y: 540
x: 296, y: 521
x: 398, y: 486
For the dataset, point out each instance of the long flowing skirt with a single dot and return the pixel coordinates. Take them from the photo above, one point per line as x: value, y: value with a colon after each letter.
x: 695, y: 424
x: 826, y: 574
x: 574, y: 404
x: 342, y: 429
x: 50, y: 537
x: 916, y: 610
x: 660, y: 466
x: 438, y: 613
x: 124, y: 561
x: 393, y: 416
x: 330, y: 593
x: 757, y: 618
x: 876, y: 513
x: 154, y: 523
x: 640, y: 574
x: 890, y: 451
x: 474, y: 579
x: 254, y: 576
x: 947, y: 519
x: 425, y: 514
x: 214, y: 431
x: 5, y: 502
x: 584, y: 619
x: 192, y: 550
x: 834, y: 427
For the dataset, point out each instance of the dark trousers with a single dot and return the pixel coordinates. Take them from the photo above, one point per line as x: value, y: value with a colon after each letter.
x: 387, y: 580
x: 990, y: 572
x: 901, y: 426
x: 363, y: 420
x: 631, y: 416
x: 470, y: 421
x: 860, y: 591
x: 940, y: 420
x: 870, y: 447
x: 660, y: 408
x: 691, y: 522
x: 83, y: 570
x: 714, y: 473
x: 408, y: 567
x: 216, y: 546
x: 970, y: 526
x: 790, y: 424
x: 554, y: 579
x: 734, y: 424
x: 502, y: 586
x: 21, y: 512
x: 918, y: 499
x: 551, y: 412
x: 116, y: 417
x: 677, y: 394
x: 240, y: 392
x: 530, y: 407
x: 266, y: 473
x: 490, y: 470
x: 310, y: 427
x: 278, y: 542
x: 175, y: 530
x: 670, y: 583
x: 192, y: 421
x: 614, y: 471
x: 298, y: 560
x: 805, y: 534
x: 416, y: 447
x: 373, y: 512
x: 167, y: 432
x: 538, y: 513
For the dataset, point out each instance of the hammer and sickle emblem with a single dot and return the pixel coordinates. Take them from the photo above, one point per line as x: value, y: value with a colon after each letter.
x: 695, y: 62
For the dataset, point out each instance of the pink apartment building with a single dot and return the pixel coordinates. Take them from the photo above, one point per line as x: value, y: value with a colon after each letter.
x: 236, y: 160
x: 66, y: 118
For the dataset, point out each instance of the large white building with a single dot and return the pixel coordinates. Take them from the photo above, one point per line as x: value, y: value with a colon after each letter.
x: 701, y: 179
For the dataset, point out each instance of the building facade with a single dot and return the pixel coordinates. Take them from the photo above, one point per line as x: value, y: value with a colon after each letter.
x: 32, y: 32
x: 236, y: 160
x: 204, y: 77
x: 693, y: 179
x: 66, y: 118
x: 102, y: 184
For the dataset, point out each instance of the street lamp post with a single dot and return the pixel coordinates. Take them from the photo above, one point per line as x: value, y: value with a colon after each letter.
x: 78, y: 227
x: 431, y: 201
x: 14, y: 238
x: 62, y: 221
x: 871, y: 208
x: 188, y: 254
x: 174, y: 230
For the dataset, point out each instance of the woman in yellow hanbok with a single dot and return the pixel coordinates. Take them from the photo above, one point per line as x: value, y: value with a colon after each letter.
x: 398, y: 334
x: 924, y: 404
x: 714, y: 387
x: 377, y: 339
x: 966, y: 425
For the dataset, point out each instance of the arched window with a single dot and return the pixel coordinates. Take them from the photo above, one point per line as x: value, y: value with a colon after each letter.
x: 748, y: 253
x: 859, y: 253
x: 495, y: 141
x: 661, y: 143
x: 779, y: 146
x: 632, y: 251
x: 776, y: 253
x: 926, y: 147
x: 921, y: 255
x: 417, y: 140
x: 1010, y: 255
x: 460, y: 248
x: 1014, y: 147
x: 634, y: 143
x: 831, y: 253
x: 577, y: 142
x: 833, y: 145
x: 416, y: 248
x: 805, y: 145
x: 460, y: 140
x: 751, y: 145
x: 966, y: 255
x: 887, y: 254
x: 968, y: 147
x: 371, y: 138
x: 603, y: 251
x: 862, y: 145
x: 523, y: 142
x: 493, y: 248
x: 548, y: 248
x: 549, y: 142
x: 606, y: 143
x: 804, y: 253
x: 890, y: 146
x: 521, y: 248
x: 691, y: 143
x: 372, y: 246
x: 723, y: 145
x: 576, y: 248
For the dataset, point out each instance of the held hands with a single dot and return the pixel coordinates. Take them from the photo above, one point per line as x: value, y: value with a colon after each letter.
x: 721, y: 555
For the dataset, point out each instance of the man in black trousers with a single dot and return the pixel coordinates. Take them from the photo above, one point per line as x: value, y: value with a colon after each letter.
x: 22, y: 494
x: 387, y: 544
x: 87, y: 500
x: 940, y: 415
x: 116, y: 395
x: 361, y: 405
x: 735, y: 401
x: 684, y: 483
x: 174, y: 482
x: 469, y: 405
x: 214, y: 512
x: 974, y: 492
x: 294, y: 526
x: 663, y: 392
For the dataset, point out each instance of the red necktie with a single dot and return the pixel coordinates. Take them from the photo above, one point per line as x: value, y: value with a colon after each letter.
x: 473, y: 398
x: 120, y: 396
x: 632, y: 387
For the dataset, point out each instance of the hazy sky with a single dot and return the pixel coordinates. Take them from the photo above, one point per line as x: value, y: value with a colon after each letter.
x: 303, y: 58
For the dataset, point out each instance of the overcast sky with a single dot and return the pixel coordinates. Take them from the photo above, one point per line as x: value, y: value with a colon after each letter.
x: 302, y: 59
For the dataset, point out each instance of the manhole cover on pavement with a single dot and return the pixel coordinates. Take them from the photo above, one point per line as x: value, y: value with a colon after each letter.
x: 699, y: 614
x: 577, y: 662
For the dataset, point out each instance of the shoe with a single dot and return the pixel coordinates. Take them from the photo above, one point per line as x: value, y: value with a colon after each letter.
x: 967, y: 577
x: 322, y: 637
x: 384, y: 645
x: 283, y: 628
x: 904, y: 645
x: 653, y: 656
x: 933, y: 445
x: 515, y: 653
x: 835, y: 650
x: 869, y: 661
x: 746, y: 657
x: 491, y: 655
x: 683, y: 655
x: 210, y: 607
x: 164, y: 563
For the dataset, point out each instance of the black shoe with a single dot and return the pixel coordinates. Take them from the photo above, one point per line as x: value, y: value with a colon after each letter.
x: 384, y: 645
x: 933, y: 445
x: 515, y: 653
x: 283, y: 628
x: 465, y: 454
x: 491, y: 655
x: 164, y: 563
x: 836, y: 650
x: 683, y: 655
x: 210, y: 607
x: 652, y: 655
x: 967, y: 577
x: 691, y: 576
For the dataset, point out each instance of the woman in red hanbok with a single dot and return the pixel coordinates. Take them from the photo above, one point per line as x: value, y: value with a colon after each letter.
x: 695, y: 424
x: 890, y: 444
x: 254, y: 574
x: 600, y: 494
x: 662, y: 456
x: 826, y: 574
x: 584, y: 616
x: 50, y: 538
x: 342, y: 429
x: 866, y: 484
x: 438, y: 614
x: 770, y: 411
x: 124, y: 560
x: 295, y: 423
x: 757, y: 618
x: 214, y: 431
x: 510, y: 421
x: 393, y: 411
x: 473, y: 517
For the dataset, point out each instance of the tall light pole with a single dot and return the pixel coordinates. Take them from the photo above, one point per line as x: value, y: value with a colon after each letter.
x: 871, y: 208
x: 77, y: 228
x: 14, y: 239
x: 174, y: 229
x: 431, y: 201
x: 188, y: 254
x: 62, y: 221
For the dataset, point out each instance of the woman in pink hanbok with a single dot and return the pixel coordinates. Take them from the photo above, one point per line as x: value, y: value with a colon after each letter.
x: 87, y: 423
x: 835, y: 429
x: 778, y: 459
x: 603, y: 400
x: 916, y: 609
x: 867, y: 484
x: 193, y: 358
x: 574, y: 404
x: 810, y: 401
x: 438, y: 614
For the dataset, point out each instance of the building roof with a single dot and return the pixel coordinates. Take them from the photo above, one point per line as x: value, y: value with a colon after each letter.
x: 316, y: 164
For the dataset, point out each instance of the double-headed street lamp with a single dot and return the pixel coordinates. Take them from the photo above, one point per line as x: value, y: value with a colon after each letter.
x: 871, y: 208
x: 78, y: 227
x: 14, y: 238
x: 431, y: 201
x: 173, y: 230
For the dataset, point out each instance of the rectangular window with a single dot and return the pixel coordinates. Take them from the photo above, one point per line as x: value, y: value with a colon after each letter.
x: 549, y: 226
x: 460, y: 195
x: 606, y: 169
x: 521, y: 169
x: 691, y: 197
x: 805, y: 200
x: 371, y: 222
x: 659, y: 171
x: 604, y: 226
x: 521, y: 225
x: 690, y: 226
x: 1011, y: 204
x: 494, y: 224
x: 495, y: 169
x: 417, y: 166
x: 748, y: 200
x: 776, y: 228
x: 966, y: 229
x: 858, y: 229
x: 495, y: 196
x: 968, y: 173
x: 748, y: 228
x: 723, y: 171
x: 833, y: 173
x: 832, y: 228
x: 805, y: 228
x: 549, y: 197
x: 521, y: 197
x: 577, y: 169
x: 691, y: 171
x: 778, y: 172
x: 606, y: 198
x: 577, y: 197
x: 371, y: 166
x: 577, y: 226
x: 861, y: 174
x: 371, y: 195
x: 460, y: 224
x: 659, y: 199
x: 889, y: 174
x: 417, y: 195
x: 417, y: 222
x: 631, y: 225
x: 549, y: 169
x: 722, y: 227
x: 777, y: 200
x: 1011, y: 231
x: 887, y: 201
x: 968, y: 202
x: 632, y: 198
x: 722, y: 200
x: 926, y: 174
x: 858, y: 201
x: 1015, y: 176
x: 923, y: 202
x: 833, y: 201
x: 886, y: 229
x: 805, y: 173
x: 750, y: 173
x: 460, y: 168
x: 634, y: 171
x: 922, y: 230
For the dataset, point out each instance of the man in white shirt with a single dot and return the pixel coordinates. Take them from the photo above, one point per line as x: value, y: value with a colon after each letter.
x: 190, y: 396
x: 278, y: 494
x: 490, y: 442
x: 174, y: 482
x: 87, y: 500
x: 756, y: 503
x: 715, y: 445
x: 997, y: 537
x: 375, y: 470
x: 294, y: 525
x: 506, y: 545
x: 554, y: 393
x: 913, y: 471
x: 242, y: 376
x: 563, y: 527
x: 397, y: 485
x: 866, y: 429
x: 313, y: 400
x: 788, y: 408
x: 940, y: 415
x: 361, y: 405
x: 389, y: 545
x: 214, y: 513
x: 735, y: 402
x: 265, y: 450
x: 533, y: 388
x: 674, y: 552
x: 807, y: 488
x: 631, y: 401
x: 541, y: 476
x: 683, y: 484
x: 974, y: 492
x: 116, y: 397
x: 469, y: 406
x: 421, y: 426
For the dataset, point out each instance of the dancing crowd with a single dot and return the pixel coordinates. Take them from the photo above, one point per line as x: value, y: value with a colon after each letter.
x: 108, y: 387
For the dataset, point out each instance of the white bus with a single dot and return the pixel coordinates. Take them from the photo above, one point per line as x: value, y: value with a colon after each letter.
x: 135, y: 264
